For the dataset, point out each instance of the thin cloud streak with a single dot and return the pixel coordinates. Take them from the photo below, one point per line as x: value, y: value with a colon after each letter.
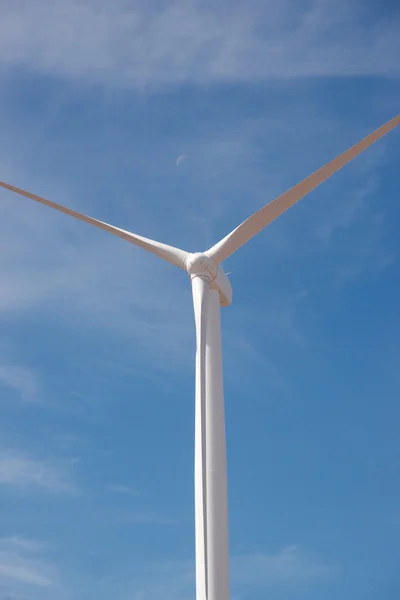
x: 144, y: 519
x: 25, y: 473
x: 140, y: 44
x: 21, y: 380
x: 25, y: 567
x: 124, y: 490
x: 287, y: 567
x: 22, y: 564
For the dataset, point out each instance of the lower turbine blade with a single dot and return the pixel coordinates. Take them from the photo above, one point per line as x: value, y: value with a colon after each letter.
x: 172, y: 255
x: 200, y: 288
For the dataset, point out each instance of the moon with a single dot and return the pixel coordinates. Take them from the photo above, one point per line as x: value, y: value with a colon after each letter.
x: 181, y: 159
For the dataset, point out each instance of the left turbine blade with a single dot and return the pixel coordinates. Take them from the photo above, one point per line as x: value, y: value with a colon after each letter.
x: 254, y: 224
x: 173, y: 255
x: 200, y: 289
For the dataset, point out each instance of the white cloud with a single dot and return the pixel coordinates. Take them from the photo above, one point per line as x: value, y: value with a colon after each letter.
x: 285, y: 567
x: 243, y: 353
x: 124, y: 489
x: 348, y: 210
x: 20, y: 472
x: 22, y: 571
x: 22, y: 564
x: 353, y: 224
x: 144, y: 519
x: 25, y: 565
x: 176, y: 579
x: 144, y: 43
x: 21, y: 380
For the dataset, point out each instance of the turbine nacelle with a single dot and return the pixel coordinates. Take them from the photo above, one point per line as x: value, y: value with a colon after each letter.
x: 199, y: 264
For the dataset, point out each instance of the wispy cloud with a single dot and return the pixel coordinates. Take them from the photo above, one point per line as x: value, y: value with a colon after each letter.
x: 347, y: 210
x: 141, y: 43
x: 21, y: 472
x: 23, y: 566
x: 242, y: 353
x: 26, y: 569
x: 176, y: 578
x: 144, y: 519
x: 285, y: 567
x: 124, y: 490
x: 20, y: 379
x: 353, y: 225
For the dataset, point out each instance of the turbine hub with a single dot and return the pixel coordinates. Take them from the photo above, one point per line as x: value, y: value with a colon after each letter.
x: 200, y: 264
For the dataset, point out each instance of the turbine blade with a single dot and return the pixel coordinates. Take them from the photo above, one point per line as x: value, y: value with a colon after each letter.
x: 254, y: 224
x: 200, y: 289
x: 173, y: 255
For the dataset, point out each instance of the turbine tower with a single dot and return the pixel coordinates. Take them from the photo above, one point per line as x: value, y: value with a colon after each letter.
x: 211, y: 290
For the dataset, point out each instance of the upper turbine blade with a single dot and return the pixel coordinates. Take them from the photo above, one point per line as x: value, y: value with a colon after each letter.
x: 173, y: 255
x: 254, y: 224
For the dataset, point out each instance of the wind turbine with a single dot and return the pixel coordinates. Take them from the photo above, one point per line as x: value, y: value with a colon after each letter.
x: 212, y: 289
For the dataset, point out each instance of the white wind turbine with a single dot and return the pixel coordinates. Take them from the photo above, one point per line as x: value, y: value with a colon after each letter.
x: 212, y: 289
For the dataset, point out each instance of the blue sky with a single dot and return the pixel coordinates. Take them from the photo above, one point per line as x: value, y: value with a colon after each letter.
x: 98, y: 101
